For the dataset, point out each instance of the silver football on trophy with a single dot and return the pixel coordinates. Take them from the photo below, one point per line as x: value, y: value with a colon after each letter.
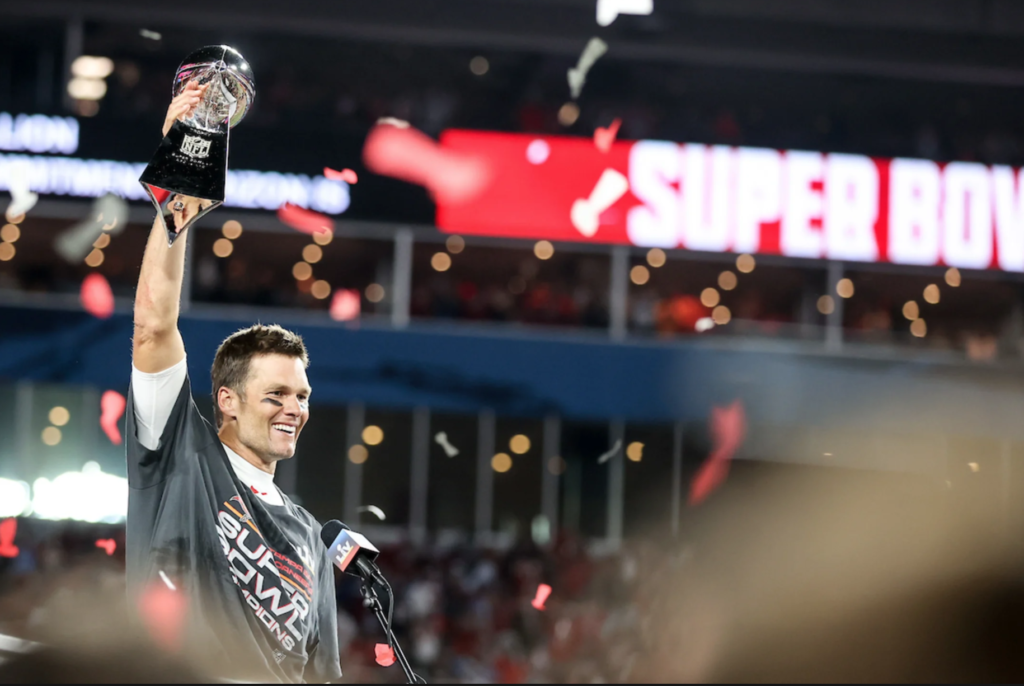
x: 231, y: 90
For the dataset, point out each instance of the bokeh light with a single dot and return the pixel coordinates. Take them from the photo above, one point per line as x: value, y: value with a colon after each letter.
x: 727, y: 280
x: 911, y: 310
x: 357, y: 454
x: 639, y: 275
x: 919, y: 328
x: 568, y: 114
x: 543, y: 250
x: 455, y: 244
x: 557, y: 465
x: 94, y: 258
x: 231, y: 229
x: 635, y: 451
x: 721, y: 315
x: 222, y: 247
x: 59, y: 416
x: 932, y: 294
x: 441, y: 262
x: 102, y: 242
x: 710, y: 297
x: 323, y: 237
x: 51, y: 436
x: 302, y: 271
x: 6, y: 252
x: 844, y: 288
x: 312, y: 253
x: 656, y: 257
x: 10, y: 233
x: 745, y: 263
x: 501, y: 463
x: 320, y: 289
x: 375, y: 292
x: 373, y: 435
x: 953, y: 277
x: 826, y: 305
x: 479, y: 65
x: 519, y: 444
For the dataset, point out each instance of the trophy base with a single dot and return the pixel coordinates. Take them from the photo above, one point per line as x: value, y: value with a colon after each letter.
x: 190, y: 163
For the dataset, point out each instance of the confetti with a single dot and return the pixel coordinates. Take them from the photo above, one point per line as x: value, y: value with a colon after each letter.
x: 374, y: 510
x: 163, y: 612
x: 586, y: 212
x: 410, y: 155
x: 604, y: 137
x: 393, y: 121
x: 385, y: 655
x: 112, y: 406
x: 150, y: 35
x: 346, y: 175
x: 442, y: 440
x: 96, y: 296
x: 611, y: 453
x: 108, y: 213
x: 345, y: 306
x: 22, y: 197
x: 578, y: 74
x: 8, y: 530
x: 167, y: 581
x: 109, y: 545
x: 704, y: 324
x: 543, y: 591
x: 306, y: 221
x: 609, y: 10
x: 728, y: 428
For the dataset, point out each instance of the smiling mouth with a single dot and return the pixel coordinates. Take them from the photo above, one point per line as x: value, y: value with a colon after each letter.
x: 285, y: 429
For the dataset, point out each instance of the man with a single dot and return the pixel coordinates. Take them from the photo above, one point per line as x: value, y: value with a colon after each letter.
x: 204, y: 515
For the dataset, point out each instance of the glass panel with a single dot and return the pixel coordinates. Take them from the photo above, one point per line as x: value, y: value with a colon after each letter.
x: 386, y: 472
x: 451, y: 500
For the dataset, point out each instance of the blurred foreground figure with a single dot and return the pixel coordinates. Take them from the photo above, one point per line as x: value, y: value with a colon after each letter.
x: 221, y: 564
x: 799, y: 579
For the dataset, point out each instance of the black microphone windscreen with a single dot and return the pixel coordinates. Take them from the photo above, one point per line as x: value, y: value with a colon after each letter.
x: 330, y: 531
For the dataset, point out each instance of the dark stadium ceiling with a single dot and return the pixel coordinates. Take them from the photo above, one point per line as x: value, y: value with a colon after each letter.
x: 965, y: 41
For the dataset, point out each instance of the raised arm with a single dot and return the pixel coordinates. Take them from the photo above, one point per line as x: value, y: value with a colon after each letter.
x: 157, y: 343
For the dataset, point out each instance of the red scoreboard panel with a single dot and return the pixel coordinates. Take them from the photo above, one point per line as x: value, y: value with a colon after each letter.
x: 736, y: 199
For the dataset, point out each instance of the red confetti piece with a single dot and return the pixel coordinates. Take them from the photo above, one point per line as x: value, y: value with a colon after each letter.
x: 163, y: 613
x: 306, y: 221
x: 385, y: 655
x: 109, y: 545
x: 346, y: 175
x: 728, y: 428
x: 543, y: 591
x: 604, y: 137
x: 346, y: 305
x: 410, y: 155
x: 112, y: 406
x: 8, y: 530
x: 96, y: 296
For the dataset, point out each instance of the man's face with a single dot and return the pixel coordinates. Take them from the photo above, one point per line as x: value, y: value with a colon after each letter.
x: 275, y: 406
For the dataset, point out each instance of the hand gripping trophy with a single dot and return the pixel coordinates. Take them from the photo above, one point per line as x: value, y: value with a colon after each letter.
x: 192, y: 160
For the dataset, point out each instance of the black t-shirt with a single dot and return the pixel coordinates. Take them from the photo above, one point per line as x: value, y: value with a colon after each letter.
x: 258, y: 583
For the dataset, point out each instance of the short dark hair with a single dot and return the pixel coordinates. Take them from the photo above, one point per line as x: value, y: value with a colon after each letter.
x: 231, y: 363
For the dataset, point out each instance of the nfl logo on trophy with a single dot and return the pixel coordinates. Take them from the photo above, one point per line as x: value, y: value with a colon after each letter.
x: 197, y: 147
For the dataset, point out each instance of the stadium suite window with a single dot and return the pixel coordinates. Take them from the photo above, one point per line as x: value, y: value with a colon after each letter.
x: 290, y: 269
x: 387, y: 437
x: 453, y: 468
x: 473, y: 282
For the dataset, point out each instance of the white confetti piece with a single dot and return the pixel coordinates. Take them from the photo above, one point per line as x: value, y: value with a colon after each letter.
x: 374, y: 510
x: 611, y: 453
x: 609, y: 10
x: 22, y: 197
x: 150, y: 35
x: 442, y: 440
x: 108, y: 213
x: 578, y: 74
x: 704, y: 324
x: 393, y: 121
x: 586, y: 212
x: 167, y: 581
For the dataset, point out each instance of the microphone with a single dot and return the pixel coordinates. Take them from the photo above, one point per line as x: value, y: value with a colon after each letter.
x: 351, y: 552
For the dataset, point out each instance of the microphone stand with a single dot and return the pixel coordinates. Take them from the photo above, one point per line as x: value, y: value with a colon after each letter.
x: 371, y: 601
